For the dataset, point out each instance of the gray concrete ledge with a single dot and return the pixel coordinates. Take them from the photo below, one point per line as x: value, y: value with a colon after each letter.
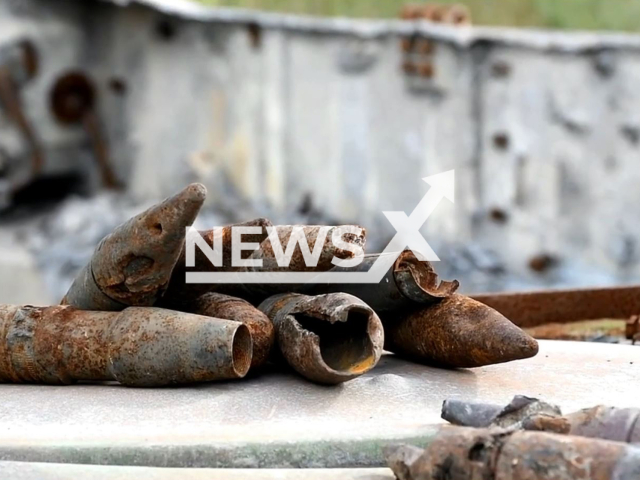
x: 53, y: 471
x: 281, y: 421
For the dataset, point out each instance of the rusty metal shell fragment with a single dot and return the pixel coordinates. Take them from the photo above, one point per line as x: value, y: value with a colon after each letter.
x: 481, y: 415
x: 312, y: 233
x: 604, y: 422
x: 456, y: 332
x: 609, y: 423
x: 231, y: 308
x: 179, y: 291
x: 140, y: 347
x: 328, y: 338
x: 132, y: 266
x: 468, y: 453
x: 408, y: 282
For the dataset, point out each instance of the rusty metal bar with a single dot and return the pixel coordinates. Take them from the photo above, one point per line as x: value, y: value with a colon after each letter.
x: 140, y: 347
x: 328, y: 338
x: 530, y: 309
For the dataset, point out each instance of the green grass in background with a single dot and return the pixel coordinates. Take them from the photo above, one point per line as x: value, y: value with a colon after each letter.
x: 563, y: 14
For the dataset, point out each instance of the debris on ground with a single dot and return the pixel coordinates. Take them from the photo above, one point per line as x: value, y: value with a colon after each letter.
x: 328, y: 337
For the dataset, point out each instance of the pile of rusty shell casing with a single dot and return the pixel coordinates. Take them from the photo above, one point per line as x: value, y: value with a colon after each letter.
x: 179, y: 291
x: 329, y: 338
x: 407, y: 283
x: 218, y: 305
x: 461, y: 453
x: 132, y: 266
x: 142, y: 347
x: 456, y: 332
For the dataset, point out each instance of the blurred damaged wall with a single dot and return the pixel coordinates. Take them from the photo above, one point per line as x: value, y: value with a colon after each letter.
x: 289, y: 115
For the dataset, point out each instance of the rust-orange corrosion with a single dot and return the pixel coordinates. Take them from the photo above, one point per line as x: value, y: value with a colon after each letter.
x: 496, y: 454
x: 132, y: 266
x: 327, y: 338
x: 530, y: 309
x: 140, y: 347
x: 456, y: 331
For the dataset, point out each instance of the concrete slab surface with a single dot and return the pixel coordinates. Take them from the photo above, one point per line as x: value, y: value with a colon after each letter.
x: 57, y: 471
x: 279, y: 420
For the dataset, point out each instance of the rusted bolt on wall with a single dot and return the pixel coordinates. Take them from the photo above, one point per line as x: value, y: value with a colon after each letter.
x: 419, y: 51
x: 74, y: 100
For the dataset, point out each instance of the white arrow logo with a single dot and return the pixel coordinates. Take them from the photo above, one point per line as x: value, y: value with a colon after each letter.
x: 408, y: 228
x: 408, y: 235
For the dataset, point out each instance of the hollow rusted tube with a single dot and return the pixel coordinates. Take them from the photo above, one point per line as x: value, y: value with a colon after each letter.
x: 132, y: 266
x: 409, y: 282
x: 328, y: 338
x: 456, y: 332
x: 232, y: 308
x: 141, y: 347
x: 468, y: 453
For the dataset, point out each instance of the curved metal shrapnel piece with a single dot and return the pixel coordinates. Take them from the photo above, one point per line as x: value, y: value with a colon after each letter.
x: 328, y: 338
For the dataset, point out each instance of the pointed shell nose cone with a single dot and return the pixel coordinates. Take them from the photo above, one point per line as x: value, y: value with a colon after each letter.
x: 179, y: 211
x: 133, y: 264
x: 457, y: 332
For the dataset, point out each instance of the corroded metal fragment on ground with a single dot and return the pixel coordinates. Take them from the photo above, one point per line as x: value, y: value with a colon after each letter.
x: 328, y: 338
x: 132, y: 266
x: 456, y: 332
x: 607, y: 423
x: 469, y: 453
x: 137, y: 347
